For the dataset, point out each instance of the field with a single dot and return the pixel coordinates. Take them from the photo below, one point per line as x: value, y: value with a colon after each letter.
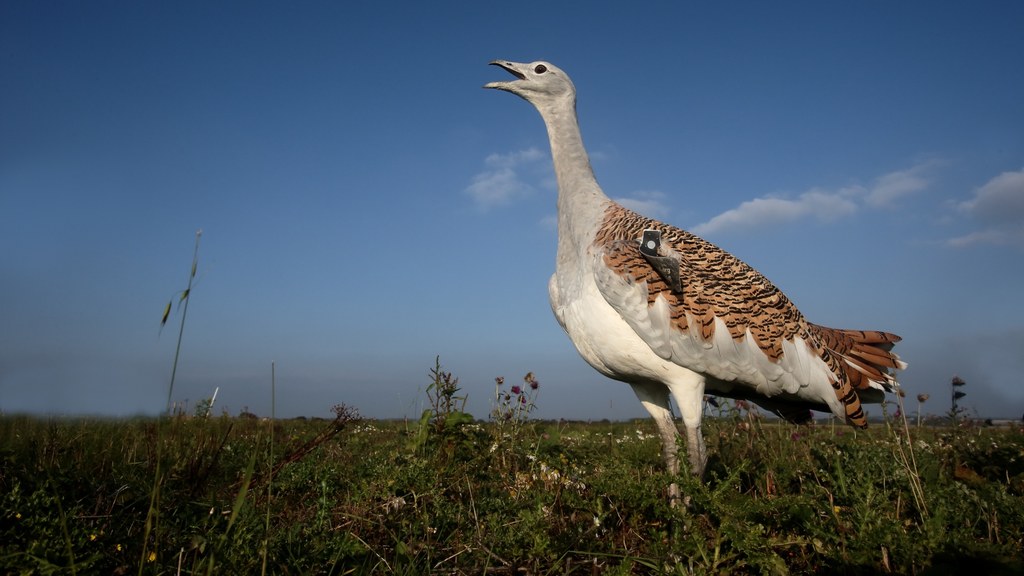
x: 450, y: 495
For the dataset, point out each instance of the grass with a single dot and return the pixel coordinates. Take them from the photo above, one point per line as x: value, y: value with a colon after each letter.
x: 451, y: 495
x: 354, y: 496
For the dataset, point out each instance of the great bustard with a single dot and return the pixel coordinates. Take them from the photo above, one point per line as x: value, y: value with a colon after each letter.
x: 669, y: 313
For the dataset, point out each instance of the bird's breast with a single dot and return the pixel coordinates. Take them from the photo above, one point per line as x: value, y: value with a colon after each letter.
x: 600, y: 334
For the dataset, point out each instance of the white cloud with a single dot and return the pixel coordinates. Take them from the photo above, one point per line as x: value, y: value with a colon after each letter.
x: 501, y: 182
x: 650, y: 203
x: 998, y: 207
x: 514, y: 159
x: 497, y: 187
x: 819, y: 204
x: 1000, y: 200
x: 995, y: 236
x: 895, y: 185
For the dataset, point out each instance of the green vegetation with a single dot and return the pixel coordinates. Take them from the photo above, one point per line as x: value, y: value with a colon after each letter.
x: 448, y: 494
x: 453, y: 496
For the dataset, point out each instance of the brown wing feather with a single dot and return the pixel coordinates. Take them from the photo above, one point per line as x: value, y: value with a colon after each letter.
x: 717, y: 284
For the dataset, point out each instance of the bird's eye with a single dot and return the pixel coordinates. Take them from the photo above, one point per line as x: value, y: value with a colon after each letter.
x: 540, y: 69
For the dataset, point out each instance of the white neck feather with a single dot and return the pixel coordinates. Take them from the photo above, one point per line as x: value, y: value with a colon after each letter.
x: 581, y: 201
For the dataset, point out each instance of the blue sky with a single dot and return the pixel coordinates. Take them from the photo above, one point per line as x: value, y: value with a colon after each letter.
x: 366, y: 206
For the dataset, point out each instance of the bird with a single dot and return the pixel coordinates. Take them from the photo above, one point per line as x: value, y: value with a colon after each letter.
x: 671, y: 314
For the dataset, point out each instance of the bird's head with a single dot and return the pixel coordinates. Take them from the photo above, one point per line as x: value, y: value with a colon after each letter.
x: 539, y: 83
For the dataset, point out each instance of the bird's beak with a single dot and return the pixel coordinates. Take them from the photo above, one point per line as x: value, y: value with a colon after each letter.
x: 514, y: 69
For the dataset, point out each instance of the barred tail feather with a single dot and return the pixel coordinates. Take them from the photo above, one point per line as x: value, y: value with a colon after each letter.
x: 867, y: 356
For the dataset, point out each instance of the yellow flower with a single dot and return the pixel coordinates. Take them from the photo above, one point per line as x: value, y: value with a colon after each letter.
x: 17, y: 515
x: 118, y: 547
x: 836, y: 509
x: 92, y: 537
x: 152, y: 557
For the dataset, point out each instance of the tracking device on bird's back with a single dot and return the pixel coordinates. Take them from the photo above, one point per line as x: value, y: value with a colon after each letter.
x: 651, y: 242
x: 666, y: 266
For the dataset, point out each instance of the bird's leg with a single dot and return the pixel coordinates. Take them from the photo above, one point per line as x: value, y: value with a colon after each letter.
x: 696, y: 450
x: 654, y: 397
x: 669, y: 450
x: 689, y: 395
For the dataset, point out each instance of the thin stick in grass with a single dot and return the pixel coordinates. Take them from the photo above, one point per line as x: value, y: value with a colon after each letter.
x: 183, y: 301
x: 154, y: 498
x: 63, y: 524
x: 908, y: 460
x: 270, y: 462
x: 236, y: 508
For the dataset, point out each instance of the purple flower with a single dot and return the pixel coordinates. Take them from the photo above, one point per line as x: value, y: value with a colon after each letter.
x: 795, y: 436
x: 499, y: 380
x: 522, y: 399
x: 534, y: 384
x: 516, y: 389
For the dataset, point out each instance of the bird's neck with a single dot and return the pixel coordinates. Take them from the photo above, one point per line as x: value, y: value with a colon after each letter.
x: 581, y: 202
x: 572, y: 165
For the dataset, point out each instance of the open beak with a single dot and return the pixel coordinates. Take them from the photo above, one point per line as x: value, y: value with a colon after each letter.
x: 513, y: 69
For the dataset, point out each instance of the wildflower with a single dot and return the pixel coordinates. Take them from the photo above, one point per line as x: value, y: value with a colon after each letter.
x: 743, y: 405
x: 394, y: 503
x: 151, y: 557
x: 516, y: 389
x: 499, y: 380
x: 836, y: 509
x: 117, y: 547
x: 531, y: 381
x: 92, y: 537
x: 17, y: 515
x: 795, y: 436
